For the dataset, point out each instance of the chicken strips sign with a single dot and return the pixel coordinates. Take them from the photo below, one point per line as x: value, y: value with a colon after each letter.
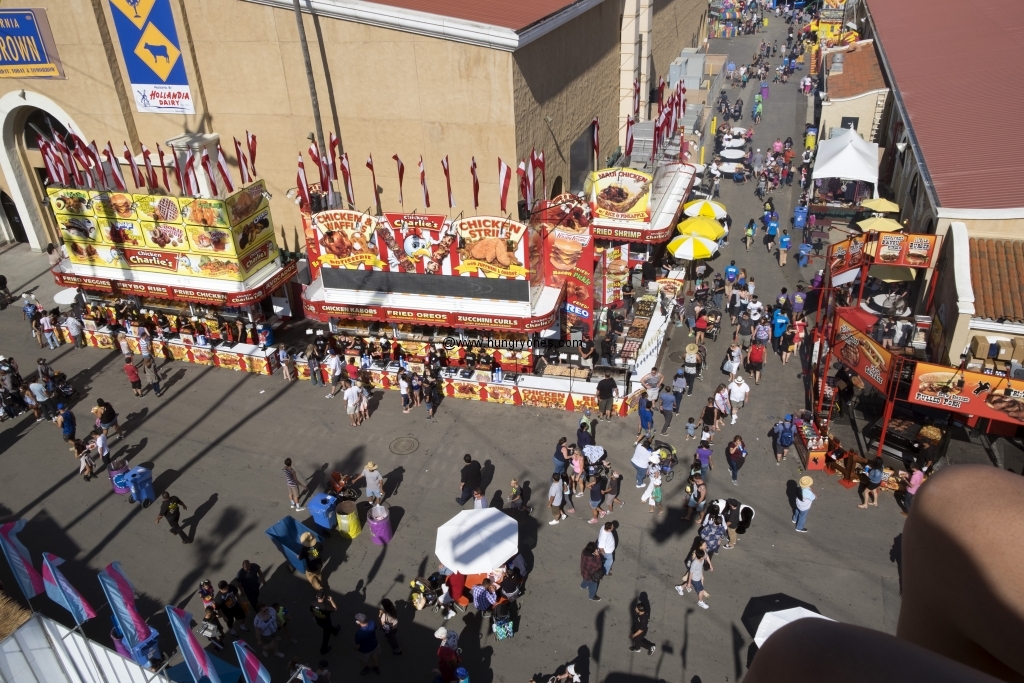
x: 493, y: 246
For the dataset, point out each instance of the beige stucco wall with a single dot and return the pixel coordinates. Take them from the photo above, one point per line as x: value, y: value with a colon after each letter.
x: 862, y: 107
x: 586, y: 85
x: 676, y: 24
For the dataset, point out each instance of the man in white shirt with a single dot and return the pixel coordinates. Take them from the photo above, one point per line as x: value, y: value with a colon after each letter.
x: 352, y: 397
x: 99, y: 442
x: 755, y: 308
x: 738, y: 391
x: 335, y: 369
x: 606, y: 544
x: 74, y: 328
x: 555, y: 500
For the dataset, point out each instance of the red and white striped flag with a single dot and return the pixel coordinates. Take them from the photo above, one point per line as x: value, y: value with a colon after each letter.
x: 373, y: 176
x: 204, y: 161
x: 136, y: 173
x: 81, y: 155
x: 346, y: 176
x: 504, y: 180
x: 225, y: 172
x: 53, y: 175
x: 302, y: 187
x: 163, y: 166
x: 538, y: 162
x: 151, y: 179
x: 597, y: 141
x: 423, y: 184
x: 115, y: 168
x: 100, y: 171
x: 661, y: 92
x: 401, y: 179
x: 68, y: 161
x: 314, y: 156
x: 531, y: 173
x: 476, y: 184
x: 332, y: 152
x: 250, y: 141
x: 189, y: 174
x: 177, y: 172
x: 448, y: 181
x: 636, y: 97
x: 243, y: 166
x: 629, y: 135
x: 524, y: 183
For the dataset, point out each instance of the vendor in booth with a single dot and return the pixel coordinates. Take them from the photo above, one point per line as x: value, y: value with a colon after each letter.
x: 471, y: 359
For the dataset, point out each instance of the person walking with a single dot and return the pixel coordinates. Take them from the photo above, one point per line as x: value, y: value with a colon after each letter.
x: 335, y: 371
x: 695, y: 578
x: 704, y: 456
x: 591, y: 569
x: 229, y: 607
x: 735, y: 453
x: 667, y: 405
x: 606, y: 544
x: 265, y: 625
x: 872, y: 479
x: 785, y: 434
x: 42, y: 398
x: 250, y: 578
x: 291, y: 480
x: 638, y: 630
x: 733, y: 358
x: 374, y: 483
x: 641, y: 461
x: 212, y: 627
x: 388, y: 616
x: 755, y: 360
x: 731, y: 515
x: 171, y: 507
x: 561, y: 457
x: 611, y: 493
x: 679, y: 388
x: 652, y: 496
x: 323, y: 607
x: 312, y: 557
x: 46, y: 325
x: 697, y: 499
x: 804, y: 499
x: 607, y: 392
x: 107, y: 416
x: 645, y: 414
x: 99, y: 444
x: 447, y: 653
x: 353, y: 402
x: 784, y: 244
x: 133, y: 376
x: 556, y: 499
x: 151, y: 375
x: 470, y: 479
x: 738, y: 393
x: 596, y: 487
x: 313, y: 363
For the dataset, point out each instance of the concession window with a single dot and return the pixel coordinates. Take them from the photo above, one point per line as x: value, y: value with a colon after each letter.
x: 430, y: 285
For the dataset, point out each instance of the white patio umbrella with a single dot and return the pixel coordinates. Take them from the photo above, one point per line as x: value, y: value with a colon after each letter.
x: 773, y: 621
x: 477, y: 541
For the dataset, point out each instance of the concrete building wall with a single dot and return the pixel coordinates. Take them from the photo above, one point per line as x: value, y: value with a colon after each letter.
x: 676, y: 24
x: 863, y: 107
x: 586, y: 85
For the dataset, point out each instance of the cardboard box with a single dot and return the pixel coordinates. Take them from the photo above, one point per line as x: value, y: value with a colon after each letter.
x: 1018, y: 350
x: 1005, y: 349
x: 979, y: 346
x: 976, y: 364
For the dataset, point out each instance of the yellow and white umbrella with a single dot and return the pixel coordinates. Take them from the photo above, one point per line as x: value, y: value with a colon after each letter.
x: 704, y: 207
x: 692, y: 247
x: 881, y: 205
x: 702, y: 226
x: 877, y: 224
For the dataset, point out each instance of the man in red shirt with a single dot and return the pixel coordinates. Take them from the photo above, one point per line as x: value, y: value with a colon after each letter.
x: 352, y: 369
x: 133, y: 376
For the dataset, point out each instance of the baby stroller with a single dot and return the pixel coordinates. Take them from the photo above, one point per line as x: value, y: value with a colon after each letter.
x: 340, y: 485
x: 501, y: 620
x: 714, y: 319
x: 58, y: 385
x: 667, y: 454
x: 597, y: 465
x: 426, y: 593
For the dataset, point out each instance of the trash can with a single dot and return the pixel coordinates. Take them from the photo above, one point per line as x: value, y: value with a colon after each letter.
x: 117, y: 470
x: 348, y: 519
x: 804, y: 255
x: 379, y: 521
x: 286, y: 536
x: 322, y: 508
x: 140, y: 480
x: 811, y: 140
x: 799, y: 217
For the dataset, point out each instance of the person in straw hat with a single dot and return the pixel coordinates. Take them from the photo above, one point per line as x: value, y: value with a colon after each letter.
x: 374, y: 483
x: 312, y: 556
x: 803, y: 503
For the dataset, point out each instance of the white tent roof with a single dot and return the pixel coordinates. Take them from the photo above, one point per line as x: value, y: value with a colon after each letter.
x: 847, y: 156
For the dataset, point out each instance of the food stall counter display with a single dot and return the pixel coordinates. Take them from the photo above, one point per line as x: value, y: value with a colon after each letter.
x: 811, y: 446
x: 644, y: 306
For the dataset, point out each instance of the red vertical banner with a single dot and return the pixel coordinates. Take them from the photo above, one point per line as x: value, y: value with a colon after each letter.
x: 312, y: 246
x: 569, y: 259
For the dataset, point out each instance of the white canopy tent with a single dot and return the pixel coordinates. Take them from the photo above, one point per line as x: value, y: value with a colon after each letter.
x: 847, y: 156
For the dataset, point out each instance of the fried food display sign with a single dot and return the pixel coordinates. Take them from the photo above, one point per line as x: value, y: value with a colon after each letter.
x: 491, y: 246
x: 969, y: 393
x: 619, y: 197
x: 347, y: 239
x: 861, y: 354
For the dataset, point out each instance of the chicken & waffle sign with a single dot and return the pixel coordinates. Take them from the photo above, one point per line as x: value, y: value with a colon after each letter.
x: 346, y: 239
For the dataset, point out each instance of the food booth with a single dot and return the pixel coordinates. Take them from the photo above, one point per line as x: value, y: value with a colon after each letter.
x: 204, y: 276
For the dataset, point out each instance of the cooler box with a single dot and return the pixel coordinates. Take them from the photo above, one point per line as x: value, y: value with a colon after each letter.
x: 379, y: 521
x: 322, y: 508
x: 286, y: 535
x: 811, y: 139
x: 348, y: 519
x: 117, y: 470
x: 141, y: 482
x: 799, y: 217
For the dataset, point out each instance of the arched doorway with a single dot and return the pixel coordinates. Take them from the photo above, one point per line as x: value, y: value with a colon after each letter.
x: 13, y: 218
x: 556, y: 187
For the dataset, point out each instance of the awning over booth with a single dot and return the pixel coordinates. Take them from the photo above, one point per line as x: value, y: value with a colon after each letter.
x: 847, y: 155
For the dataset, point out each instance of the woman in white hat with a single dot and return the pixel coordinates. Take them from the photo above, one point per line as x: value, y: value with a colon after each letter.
x: 804, y: 499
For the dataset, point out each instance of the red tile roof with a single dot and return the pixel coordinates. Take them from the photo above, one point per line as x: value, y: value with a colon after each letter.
x: 953, y: 66
x: 513, y: 14
x: 861, y: 73
x: 996, y: 268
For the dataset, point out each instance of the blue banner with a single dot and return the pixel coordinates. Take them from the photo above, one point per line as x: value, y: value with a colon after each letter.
x: 152, y: 54
x: 27, y: 49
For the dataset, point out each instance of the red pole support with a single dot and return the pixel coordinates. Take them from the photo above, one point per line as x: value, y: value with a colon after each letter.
x: 890, y: 399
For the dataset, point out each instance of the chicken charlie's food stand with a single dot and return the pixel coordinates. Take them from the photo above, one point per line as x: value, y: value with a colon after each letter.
x: 201, y: 274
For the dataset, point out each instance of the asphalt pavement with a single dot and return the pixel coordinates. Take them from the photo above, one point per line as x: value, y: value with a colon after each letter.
x: 217, y: 440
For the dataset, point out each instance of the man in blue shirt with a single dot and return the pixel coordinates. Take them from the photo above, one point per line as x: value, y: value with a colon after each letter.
x: 784, y: 243
x: 366, y: 643
x: 772, y: 229
x: 484, y: 596
x: 731, y: 273
x: 780, y: 321
x: 668, y: 406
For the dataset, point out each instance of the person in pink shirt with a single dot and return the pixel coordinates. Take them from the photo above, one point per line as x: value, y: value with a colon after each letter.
x: 777, y: 146
x: 914, y: 481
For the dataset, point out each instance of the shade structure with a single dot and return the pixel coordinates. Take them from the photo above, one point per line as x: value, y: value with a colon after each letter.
x: 704, y: 207
x: 882, y: 205
x: 477, y: 541
x: 893, y: 273
x: 692, y: 248
x: 702, y: 226
x: 847, y: 155
x: 773, y: 621
x: 878, y: 224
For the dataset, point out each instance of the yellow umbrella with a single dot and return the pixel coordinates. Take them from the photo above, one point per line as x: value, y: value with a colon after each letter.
x: 883, y: 205
x: 877, y: 224
x: 703, y: 226
x: 692, y: 247
x: 892, y: 273
x: 704, y: 207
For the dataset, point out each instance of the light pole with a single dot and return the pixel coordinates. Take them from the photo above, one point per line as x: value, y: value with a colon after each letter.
x: 320, y: 141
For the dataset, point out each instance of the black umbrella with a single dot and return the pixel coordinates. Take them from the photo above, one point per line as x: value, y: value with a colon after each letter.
x: 757, y: 607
